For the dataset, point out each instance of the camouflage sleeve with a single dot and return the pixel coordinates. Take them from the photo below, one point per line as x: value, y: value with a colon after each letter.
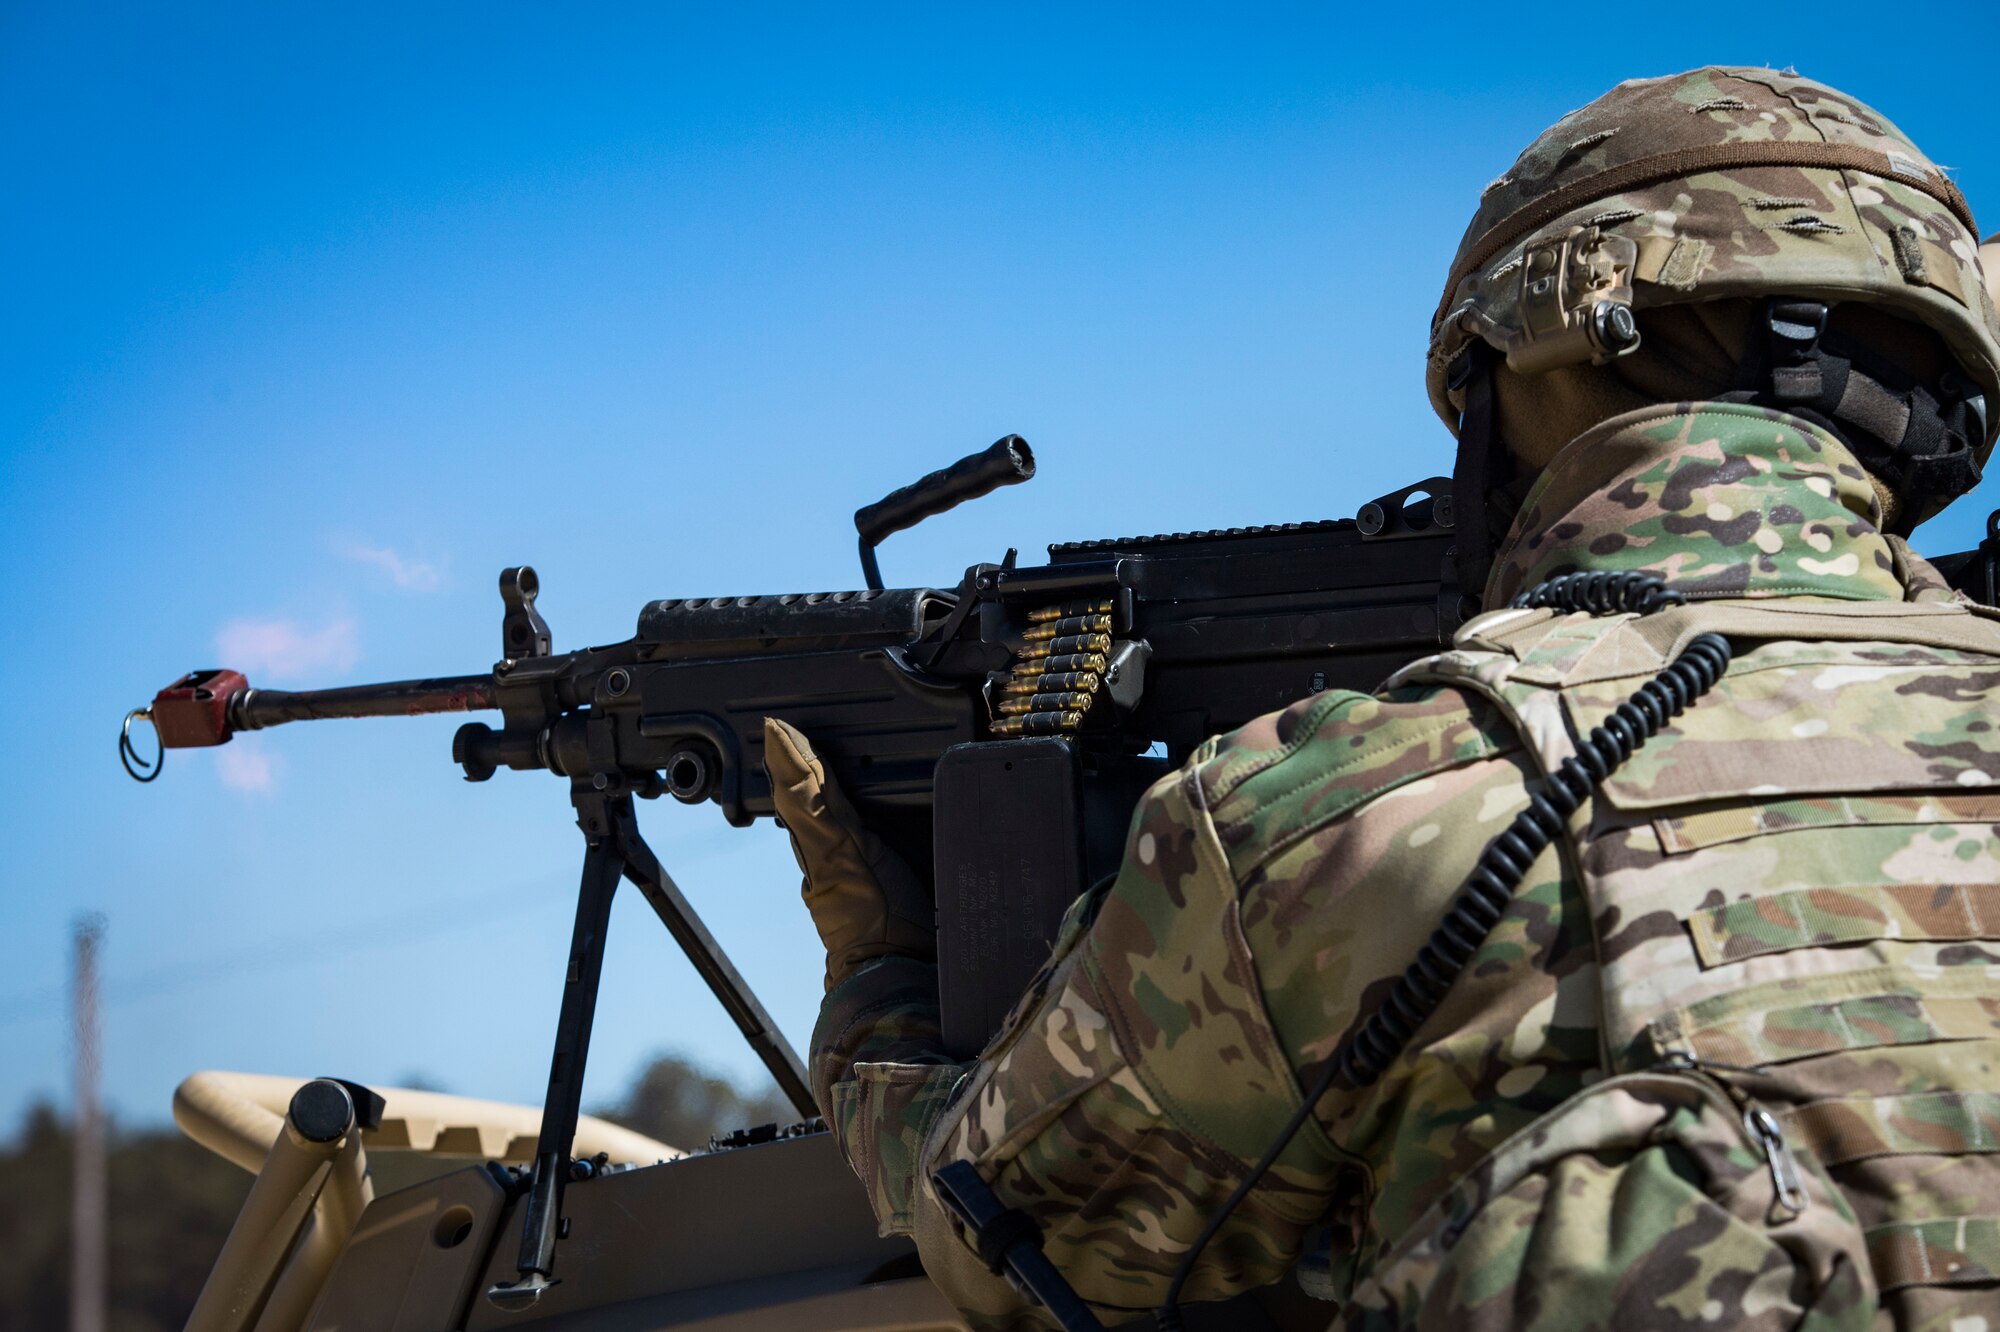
x: 1133, y: 1086
x: 881, y: 1078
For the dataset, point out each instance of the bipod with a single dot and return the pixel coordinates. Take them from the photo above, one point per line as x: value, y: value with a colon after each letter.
x: 615, y: 850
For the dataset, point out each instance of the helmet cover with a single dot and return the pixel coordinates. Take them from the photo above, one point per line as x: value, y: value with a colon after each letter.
x: 1716, y: 183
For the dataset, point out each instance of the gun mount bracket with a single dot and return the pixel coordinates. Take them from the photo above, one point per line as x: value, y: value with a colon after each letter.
x: 1397, y: 515
x: 519, y: 1296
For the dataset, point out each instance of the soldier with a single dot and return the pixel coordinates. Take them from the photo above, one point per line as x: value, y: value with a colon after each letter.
x: 1549, y: 1012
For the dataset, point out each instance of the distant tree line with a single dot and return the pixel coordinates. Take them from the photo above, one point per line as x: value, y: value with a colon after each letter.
x: 172, y: 1202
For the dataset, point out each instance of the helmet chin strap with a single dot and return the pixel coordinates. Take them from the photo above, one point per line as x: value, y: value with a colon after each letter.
x: 1921, y: 441
x: 1480, y: 469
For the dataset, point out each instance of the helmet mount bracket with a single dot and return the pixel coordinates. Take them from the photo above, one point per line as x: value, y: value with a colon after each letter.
x: 1575, y: 302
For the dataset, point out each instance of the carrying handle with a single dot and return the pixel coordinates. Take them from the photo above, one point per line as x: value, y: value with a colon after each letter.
x: 1008, y: 461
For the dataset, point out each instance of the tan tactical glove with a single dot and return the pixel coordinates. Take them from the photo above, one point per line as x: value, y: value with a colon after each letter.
x: 865, y: 901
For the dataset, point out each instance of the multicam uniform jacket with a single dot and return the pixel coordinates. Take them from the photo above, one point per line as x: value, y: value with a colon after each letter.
x: 1730, y: 1058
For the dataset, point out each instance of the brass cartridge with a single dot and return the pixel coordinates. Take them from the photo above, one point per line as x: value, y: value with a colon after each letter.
x: 1038, y: 723
x: 1072, y: 643
x: 1091, y: 662
x: 1044, y: 614
x: 1052, y: 702
x: 1073, y: 624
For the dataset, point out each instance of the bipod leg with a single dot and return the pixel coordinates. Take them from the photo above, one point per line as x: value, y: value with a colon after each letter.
x: 541, y: 1214
x: 643, y: 868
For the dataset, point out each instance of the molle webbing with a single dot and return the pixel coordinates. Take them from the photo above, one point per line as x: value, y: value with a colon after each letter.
x: 1820, y: 917
x: 1953, y: 1251
x: 1923, y: 1123
x: 1670, y: 947
x: 1684, y: 162
x: 1664, y: 634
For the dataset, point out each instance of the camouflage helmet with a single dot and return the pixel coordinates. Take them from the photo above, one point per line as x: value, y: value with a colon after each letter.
x: 1716, y: 183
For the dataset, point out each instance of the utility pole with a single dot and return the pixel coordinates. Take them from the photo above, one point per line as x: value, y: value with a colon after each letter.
x: 86, y: 1272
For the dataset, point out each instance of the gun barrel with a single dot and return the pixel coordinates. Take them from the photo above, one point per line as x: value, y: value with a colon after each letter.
x: 255, y: 709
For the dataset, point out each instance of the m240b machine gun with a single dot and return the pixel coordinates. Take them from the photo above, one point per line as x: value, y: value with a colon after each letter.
x: 999, y: 732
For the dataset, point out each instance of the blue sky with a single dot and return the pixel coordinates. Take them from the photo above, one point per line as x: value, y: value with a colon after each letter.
x: 316, y: 317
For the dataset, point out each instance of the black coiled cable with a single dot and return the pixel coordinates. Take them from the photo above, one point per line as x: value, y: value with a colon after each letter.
x: 1602, y: 592
x: 1489, y: 889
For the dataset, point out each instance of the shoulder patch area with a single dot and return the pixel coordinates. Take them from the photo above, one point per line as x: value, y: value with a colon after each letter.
x: 1290, y: 772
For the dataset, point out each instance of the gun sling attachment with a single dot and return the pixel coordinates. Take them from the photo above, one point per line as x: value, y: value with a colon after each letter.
x: 1010, y: 1242
x: 999, y: 732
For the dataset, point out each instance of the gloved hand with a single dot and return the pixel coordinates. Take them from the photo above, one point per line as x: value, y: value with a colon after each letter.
x: 865, y: 901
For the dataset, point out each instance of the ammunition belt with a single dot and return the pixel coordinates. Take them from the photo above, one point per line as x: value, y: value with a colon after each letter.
x: 1057, y: 672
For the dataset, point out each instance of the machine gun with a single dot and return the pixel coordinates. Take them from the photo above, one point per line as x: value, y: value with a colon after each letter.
x: 999, y: 732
